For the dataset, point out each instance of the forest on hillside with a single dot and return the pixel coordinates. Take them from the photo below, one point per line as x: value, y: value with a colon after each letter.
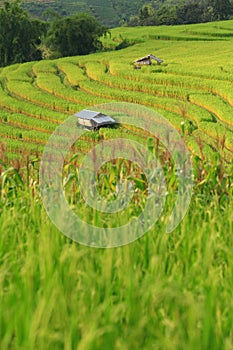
x: 23, y: 38
x: 183, y: 12
x: 114, y: 13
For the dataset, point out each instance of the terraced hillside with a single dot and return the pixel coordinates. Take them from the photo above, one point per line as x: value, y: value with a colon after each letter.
x: 192, y: 88
x: 162, y: 291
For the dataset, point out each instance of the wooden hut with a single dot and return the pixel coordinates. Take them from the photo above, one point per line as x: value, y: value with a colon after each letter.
x: 147, y: 60
x: 93, y: 120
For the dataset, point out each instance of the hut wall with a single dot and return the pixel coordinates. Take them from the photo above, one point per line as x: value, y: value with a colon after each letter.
x: 85, y: 122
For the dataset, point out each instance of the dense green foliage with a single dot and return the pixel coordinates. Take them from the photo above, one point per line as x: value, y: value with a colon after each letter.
x: 110, y: 13
x: 25, y: 39
x: 183, y: 13
x: 20, y: 36
x: 164, y: 291
x: 115, y: 12
x: 75, y: 35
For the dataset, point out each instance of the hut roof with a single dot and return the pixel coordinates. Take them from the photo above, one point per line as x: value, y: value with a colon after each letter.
x: 97, y: 117
x: 104, y: 119
x: 145, y: 58
x: 86, y: 114
x: 148, y: 58
x: 156, y: 58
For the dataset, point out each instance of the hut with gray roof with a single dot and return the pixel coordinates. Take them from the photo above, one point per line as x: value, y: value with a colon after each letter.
x: 93, y: 120
x: 146, y: 60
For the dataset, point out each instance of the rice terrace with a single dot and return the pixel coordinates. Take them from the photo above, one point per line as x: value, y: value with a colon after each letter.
x: 162, y: 291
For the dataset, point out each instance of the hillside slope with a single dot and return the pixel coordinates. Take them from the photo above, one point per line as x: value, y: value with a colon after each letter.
x: 102, y: 10
x: 109, y: 12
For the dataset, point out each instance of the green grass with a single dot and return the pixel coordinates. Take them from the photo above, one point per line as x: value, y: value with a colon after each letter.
x: 164, y: 291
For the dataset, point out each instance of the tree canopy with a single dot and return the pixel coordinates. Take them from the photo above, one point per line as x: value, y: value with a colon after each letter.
x: 23, y: 38
x: 183, y: 12
x: 75, y: 35
x: 19, y: 35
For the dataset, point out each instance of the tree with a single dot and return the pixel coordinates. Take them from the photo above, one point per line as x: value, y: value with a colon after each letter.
x: 75, y: 35
x: 19, y: 35
x: 133, y: 21
x: 190, y: 12
x: 169, y: 12
x: 167, y: 15
x: 222, y: 9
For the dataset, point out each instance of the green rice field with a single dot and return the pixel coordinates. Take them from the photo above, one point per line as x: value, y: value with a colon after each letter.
x: 163, y: 291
